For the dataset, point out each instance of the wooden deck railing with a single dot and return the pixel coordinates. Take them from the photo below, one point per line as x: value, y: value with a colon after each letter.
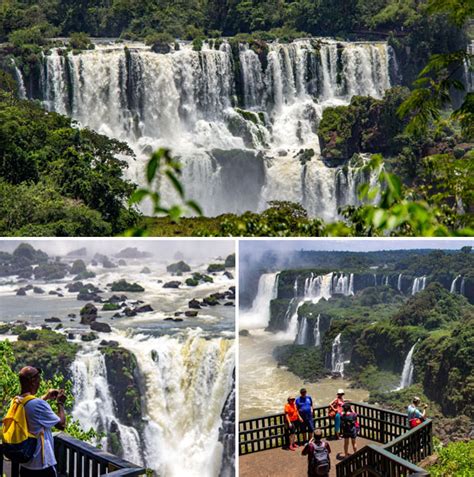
x: 402, y: 448
x: 79, y: 459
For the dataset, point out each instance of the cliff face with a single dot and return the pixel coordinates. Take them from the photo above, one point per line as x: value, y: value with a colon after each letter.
x: 227, y: 435
x: 124, y: 385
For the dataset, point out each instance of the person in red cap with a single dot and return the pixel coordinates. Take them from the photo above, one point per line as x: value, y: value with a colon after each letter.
x: 41, y: 419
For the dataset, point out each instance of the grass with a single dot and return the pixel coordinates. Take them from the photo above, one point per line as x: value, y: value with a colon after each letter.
x: 186, y: 227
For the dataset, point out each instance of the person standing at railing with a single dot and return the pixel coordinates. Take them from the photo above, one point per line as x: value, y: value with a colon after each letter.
x: 335, y: 411
x: 318, y: 451
x: 293, y: 421
x: 350, y: 428
x: 304, y: 403
x: 40, y: 419
x: 415, y: 416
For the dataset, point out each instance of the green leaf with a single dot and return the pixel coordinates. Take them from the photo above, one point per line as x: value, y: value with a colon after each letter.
x: 176, y: 184
x: 138, y: 196
x: 152, y: 167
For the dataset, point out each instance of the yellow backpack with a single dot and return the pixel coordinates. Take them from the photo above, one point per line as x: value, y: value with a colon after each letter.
x: 19, y: 445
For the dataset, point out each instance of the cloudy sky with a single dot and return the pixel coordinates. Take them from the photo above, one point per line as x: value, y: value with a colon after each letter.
x: 161, y: 248
x: 353, y: 245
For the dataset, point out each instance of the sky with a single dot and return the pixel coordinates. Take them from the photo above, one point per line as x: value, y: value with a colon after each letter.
x: 352, y: 245
x: 160, y: 248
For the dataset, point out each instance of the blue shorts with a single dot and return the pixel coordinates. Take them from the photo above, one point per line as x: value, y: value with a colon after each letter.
x: 308, y: 423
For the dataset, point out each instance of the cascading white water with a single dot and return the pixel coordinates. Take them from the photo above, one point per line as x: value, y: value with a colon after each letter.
x: 408, y: 368
x: 453, y: 288
x: 259, y: 315
x: 463, y: 286
x: 187, y: 380
x: 399, y: 282
x: 186, y: 100
x: 419, y: 284
x: 317, y: 331
x: 20, y: 82
x: 316, y: 288
x: 343, y: 284
x: 302, y: 331
x: 375, y: 280
x: 337, y: 356
x: 94, y: 405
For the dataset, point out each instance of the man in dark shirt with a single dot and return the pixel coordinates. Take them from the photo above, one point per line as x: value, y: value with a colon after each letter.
x: 318, y: 452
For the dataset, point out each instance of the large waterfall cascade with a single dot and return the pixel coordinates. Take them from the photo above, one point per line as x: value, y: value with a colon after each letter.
x: 408, y: 368
x: 399, y: 282
x: 186, y: 380
x: 259, y: 315
x: 453, y: 288
x: 195, y: 104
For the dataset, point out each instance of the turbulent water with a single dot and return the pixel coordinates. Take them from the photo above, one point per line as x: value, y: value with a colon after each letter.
x: 193, y: 102
x: 185, y: 369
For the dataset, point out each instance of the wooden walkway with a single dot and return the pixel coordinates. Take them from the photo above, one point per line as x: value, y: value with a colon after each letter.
x: 285, y: 463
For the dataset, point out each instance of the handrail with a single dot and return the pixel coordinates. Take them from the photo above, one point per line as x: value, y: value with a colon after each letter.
x: 401, y: 447
x: 80, y: 459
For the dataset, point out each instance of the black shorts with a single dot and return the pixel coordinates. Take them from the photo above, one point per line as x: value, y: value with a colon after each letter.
x: 308, y: 424
x: 295, y: 427
x: 350, y: 434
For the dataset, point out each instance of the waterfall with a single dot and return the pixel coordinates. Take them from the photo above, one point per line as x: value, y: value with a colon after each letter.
x: 187, y: 381
x: 337, y: 357
x: 408, y: 367
x: 259, y: 315
x: 385, y: 280
x: 317, y: 332
x: 453, y: 284
x: 399, y: 282
x: 302, y: 331
x: 236, y: 122
x: 375, y: 280
x: 419, y: 284
x: 343, y: 284
x: 94, y: 405
x: 463, y: 287
x: 20, y: 82
x: 316, y: 288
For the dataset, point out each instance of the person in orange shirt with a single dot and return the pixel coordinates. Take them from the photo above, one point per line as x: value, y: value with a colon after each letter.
x: 292, y: 421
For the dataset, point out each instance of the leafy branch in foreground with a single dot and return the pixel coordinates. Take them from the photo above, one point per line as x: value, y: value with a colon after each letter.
x: 163, y: 166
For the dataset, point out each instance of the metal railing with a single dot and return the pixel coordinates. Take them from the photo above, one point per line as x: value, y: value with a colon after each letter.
x: 79, y: 459
x: 402, y: 448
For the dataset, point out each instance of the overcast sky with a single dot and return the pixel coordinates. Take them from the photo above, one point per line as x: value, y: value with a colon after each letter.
x: 195, y: 248
x: 353, y: 245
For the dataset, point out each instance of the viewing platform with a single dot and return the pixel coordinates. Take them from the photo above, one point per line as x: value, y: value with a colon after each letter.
x: 79, y: 459
x: 387, y: 446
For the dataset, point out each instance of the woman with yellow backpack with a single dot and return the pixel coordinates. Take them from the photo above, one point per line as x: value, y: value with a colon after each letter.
x: 26, y: 431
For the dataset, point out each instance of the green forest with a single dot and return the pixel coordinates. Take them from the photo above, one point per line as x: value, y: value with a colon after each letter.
x: 59, y: 179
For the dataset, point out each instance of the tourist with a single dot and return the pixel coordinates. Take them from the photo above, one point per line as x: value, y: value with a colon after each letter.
x: 40, y: 419
x: 292, y: 421
x: 335, y: 411
x: 304, y: 403
x: 317, y: 450
x: 349, y: 426
x: 415, y: 416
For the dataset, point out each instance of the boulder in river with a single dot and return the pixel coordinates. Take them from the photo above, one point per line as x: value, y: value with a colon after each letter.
x: 179, y: 267
x: 38, y: 290
x: 172, y: 284
x: 124, y: 286
x: 53, y: 319
x: 101, y: 327
x: 21, y: 292
x: 88, y: 314
x: 194, y: 304
x: 144, y: 309
x: 191, y: 313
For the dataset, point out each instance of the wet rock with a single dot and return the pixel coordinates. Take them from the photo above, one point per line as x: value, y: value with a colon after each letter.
x: 111, y: 344
x: 71, y: 336
x: 46, y: 327
x: 129, y: 312
x: 110, y: 307
x: 21, y: 292
x: 88, y: 314
x: 244, y: 333
x: 216, y: 267
x: 229, y: 275
x: 122, y: 262
x: 38, y: 290
x: 89, y: 337
x: 144, y: 309
x: 172, y: 284
x: 230, y: 261
x: 178, y: 320
x: 71, y: 315
x: 229, y: 303
x: 194, y: 304
x: 78, y: 266
x: 145, y: 270
x: 53, y: 319
x: 178, y: 313
x: 124, y: 286
x: 191, y: 313
x: 179, y: 267
x: 101, y: 327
